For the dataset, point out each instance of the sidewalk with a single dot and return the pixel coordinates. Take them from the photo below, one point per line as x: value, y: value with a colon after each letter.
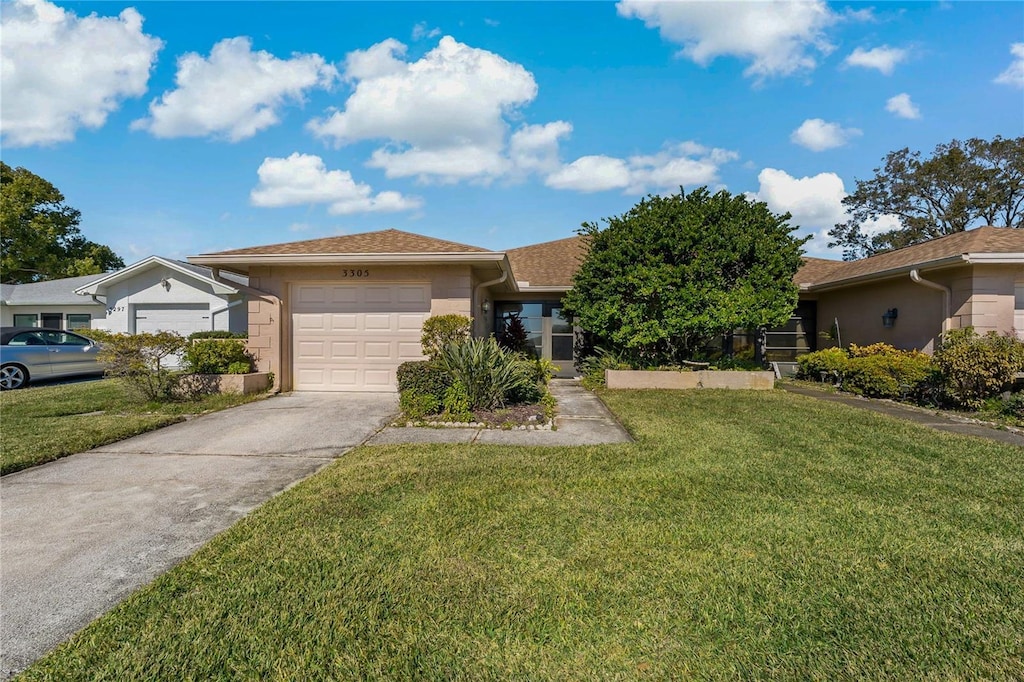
x: 582, y: 419
x: 918, y: 415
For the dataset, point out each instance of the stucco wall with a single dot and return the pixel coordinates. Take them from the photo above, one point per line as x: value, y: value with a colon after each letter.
x: 982, y: 296
x: 146, y: 288
x: 859, y: 310
x: 270, y: 332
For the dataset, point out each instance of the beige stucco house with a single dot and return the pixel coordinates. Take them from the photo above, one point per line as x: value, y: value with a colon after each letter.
x: 341, y: 313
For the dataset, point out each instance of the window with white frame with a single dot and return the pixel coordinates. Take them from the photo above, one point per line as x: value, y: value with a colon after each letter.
x: 25, y: 319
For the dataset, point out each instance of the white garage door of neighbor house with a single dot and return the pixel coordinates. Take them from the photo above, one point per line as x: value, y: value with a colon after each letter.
x: 179, y: 317
x: 352, y: 337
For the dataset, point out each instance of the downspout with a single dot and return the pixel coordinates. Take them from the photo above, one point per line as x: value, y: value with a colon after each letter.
x: 214, y: 313
x: 947, y: 294
x: 478, y: 290
x: 273, y: 364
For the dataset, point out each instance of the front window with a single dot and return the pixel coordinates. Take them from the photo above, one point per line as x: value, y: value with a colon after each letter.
x: 521, y: 326
x: 25, y: 320
x: 79, y: 320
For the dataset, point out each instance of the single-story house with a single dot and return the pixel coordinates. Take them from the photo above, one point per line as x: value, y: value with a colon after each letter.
x: 153, y: 294
x: 341, y: 313
x: 49, y: 304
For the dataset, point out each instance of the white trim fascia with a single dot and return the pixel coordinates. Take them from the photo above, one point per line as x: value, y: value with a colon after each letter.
x: 213, y: 260
x: 94, y: 287
x: 544, y: 289
x: 960, y: 259
x: 995, y: 258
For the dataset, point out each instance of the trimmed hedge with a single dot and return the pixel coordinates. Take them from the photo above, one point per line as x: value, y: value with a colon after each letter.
x: 217, y: 356
x: 218, y: 334
x: 424, y: 377
x: 887, y: 375
x: 977, y: 367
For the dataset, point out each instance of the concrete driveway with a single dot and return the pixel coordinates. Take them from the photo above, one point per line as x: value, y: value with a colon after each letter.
x: 80, y: 534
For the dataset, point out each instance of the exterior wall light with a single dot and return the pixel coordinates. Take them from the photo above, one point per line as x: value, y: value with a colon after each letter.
x: 889, y: 318
x: 485, y: 306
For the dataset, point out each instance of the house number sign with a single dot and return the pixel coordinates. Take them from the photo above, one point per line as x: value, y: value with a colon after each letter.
x: 347, y: 274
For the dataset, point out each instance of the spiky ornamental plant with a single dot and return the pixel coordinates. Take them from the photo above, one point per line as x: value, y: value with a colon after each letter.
x: 674, y: 272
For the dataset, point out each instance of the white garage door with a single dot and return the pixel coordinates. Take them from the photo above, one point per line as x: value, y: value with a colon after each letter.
x: 178, y: 317
x: 352, y: 337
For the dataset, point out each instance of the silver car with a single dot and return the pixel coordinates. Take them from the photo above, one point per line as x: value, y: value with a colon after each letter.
x: 30, y: 354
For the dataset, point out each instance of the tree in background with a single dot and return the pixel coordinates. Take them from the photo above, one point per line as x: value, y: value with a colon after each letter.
x: 671, y: 274
x: 39, y: 235
x: 962, y: 185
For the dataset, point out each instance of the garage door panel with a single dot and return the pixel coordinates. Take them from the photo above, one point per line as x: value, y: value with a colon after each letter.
x: 353, y: 337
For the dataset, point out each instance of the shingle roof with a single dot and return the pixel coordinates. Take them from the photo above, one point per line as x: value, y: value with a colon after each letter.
x: 979, y: 240
x: 384, y: 241
x: 815, y: 270
x: 551, y: 264
x: 50, y: 292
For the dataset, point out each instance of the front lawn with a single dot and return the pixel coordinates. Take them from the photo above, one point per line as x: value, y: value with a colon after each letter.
x: 750, y: 535
x: 43, y: 423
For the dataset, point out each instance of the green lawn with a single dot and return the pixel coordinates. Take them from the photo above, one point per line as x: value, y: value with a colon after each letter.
x: 750, y: 535
x: 44, y: 423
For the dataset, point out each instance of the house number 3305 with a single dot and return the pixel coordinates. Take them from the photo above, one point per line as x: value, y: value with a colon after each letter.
x: 355, y: 273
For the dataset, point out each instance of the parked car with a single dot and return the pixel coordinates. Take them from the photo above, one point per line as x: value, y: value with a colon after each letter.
x: 30, y: 354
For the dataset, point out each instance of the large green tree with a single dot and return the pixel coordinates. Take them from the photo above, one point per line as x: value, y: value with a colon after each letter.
x: 39, y: 235
x: 672, y: 273
x: 961, y: 185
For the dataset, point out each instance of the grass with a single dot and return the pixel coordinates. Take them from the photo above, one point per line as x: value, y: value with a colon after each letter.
x: 45, y: 423
x: 744, y: 535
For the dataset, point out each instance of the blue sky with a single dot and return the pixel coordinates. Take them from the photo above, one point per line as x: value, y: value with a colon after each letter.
x: 180, y: 128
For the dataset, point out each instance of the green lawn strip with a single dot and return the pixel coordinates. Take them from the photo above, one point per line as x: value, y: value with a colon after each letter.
x: 44, y: 423
x: 760, y: 535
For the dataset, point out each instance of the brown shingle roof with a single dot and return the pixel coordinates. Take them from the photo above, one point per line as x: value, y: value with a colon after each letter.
x: 815, y: 270
x: 980, y: 240
x: 383, y: 241
x: 551, y: 264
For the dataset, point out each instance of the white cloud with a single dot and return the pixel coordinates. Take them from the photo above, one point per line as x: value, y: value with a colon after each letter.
x: 816, y: 203
x: 422, y: 30
x: 1014, y: 74
x: 303, y: 179
x: 591, y: 174
x: 883, y: 58
x: 778, y: 38
x: 444, y: 116
x: 900, y: 105
x: 685, y: 164
x: 235, y: 93
x: 61, y: 72
x: 818, y: 135
x: 535, y: 147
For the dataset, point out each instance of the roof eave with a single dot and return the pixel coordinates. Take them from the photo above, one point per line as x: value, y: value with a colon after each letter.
x: 242, y: 262
x: 960, y: 259
x: 96, y: 287
x: 995, y: 258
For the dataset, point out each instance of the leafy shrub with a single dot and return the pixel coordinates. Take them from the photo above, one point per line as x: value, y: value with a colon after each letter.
x: 216, y: 356
x: 100, y: 336
x: 415, y: 406
x: 217, y: 334
x: 977, y: 367
x: 856, y: 351
x: 593, y: 367
x: 490, y: 376
x: 442, y: 330
x: 425, y: 377
x: 1013, y: 406
x: 457, y: 403
x: 886, y: 375
x: 141, y: 361
x: 542, y: 370
x: 830, y: 360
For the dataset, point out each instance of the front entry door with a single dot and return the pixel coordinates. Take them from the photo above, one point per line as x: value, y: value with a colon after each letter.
x: 546, y: 334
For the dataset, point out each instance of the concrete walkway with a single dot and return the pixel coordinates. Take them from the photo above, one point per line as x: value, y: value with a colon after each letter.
x: 582, y: 420
x: 80, y: 534
x: 917, y: 415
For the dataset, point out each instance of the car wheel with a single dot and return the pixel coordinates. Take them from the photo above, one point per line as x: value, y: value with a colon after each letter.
x: 12, y: 376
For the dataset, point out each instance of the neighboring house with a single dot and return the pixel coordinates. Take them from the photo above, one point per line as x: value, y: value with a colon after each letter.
x: 341, y: 313
x: 49, y: 304
x: 162, y: 294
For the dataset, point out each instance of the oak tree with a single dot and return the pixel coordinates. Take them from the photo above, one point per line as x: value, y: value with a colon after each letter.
x: 39, y: 234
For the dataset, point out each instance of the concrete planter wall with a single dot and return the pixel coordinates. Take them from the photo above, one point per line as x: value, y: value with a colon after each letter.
x: 257, y: 382
x: 633, y: 378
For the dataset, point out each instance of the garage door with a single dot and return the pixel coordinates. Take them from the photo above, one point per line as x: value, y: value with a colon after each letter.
x: 178, y: 317
x: 352, y: 337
